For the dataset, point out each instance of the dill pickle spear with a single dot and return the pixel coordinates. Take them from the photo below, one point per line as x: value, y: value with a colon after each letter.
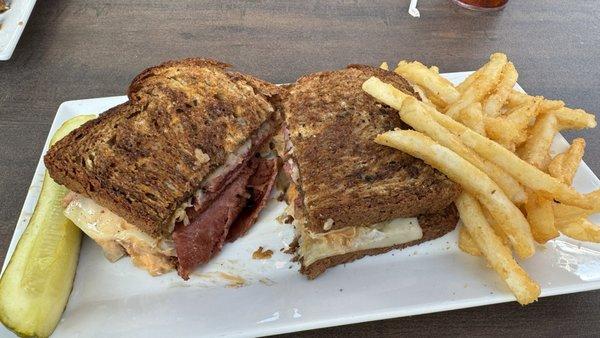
x: 36, y: 284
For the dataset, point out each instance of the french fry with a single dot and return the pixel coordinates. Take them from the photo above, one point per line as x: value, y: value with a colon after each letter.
x: 511, y: 187
x: 511, y: 130
x: 493, y: 103
x: 574, y: 119
x: 498, y: 255
x: 566, y: 213
x: 417, y: 117
x: 516, y: 98
x: 466, y: 243
x: 415, y: 114
x: 472, y: 117
x: 536, y: 152
x: 541, y: 218
x: 436, y: 102
x: 497, y: 229
x: 548, y: 105
x: 564, y: 166
x: 433, y: 84
x: 494, y: 141
x: 571, y: 220
x: 462, y: 87
x: 521, y: 118
x: 422, y: 95
x: 522, y: 171
x: 384, y: 92
x: 473, y: 180
x: 582, y: 230
x: 420, y: 67
x: 480, y: 86
x: 384, y: 66
x: 536, y: 149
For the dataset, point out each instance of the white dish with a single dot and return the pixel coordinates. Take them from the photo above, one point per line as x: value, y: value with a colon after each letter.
x: 13, y: 23
x: 121, y: 300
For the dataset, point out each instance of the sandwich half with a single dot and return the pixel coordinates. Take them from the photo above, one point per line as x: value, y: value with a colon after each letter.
x: 181, y: 168
x: 350, y: 197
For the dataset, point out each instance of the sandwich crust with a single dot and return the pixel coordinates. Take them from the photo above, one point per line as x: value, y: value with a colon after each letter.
x: 345, y: 178
x: 144, y: 158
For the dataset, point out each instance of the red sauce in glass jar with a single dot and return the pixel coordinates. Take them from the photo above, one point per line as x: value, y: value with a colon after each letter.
x: 484, y: 3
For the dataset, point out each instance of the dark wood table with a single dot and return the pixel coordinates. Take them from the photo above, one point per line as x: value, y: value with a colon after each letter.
x: 82, y: 49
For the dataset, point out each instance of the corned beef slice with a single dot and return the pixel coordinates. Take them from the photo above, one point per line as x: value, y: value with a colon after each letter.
x: 235, y: 208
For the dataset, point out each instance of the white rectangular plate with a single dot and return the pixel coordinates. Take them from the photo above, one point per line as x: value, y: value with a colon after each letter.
x: 235, y: 295
x: 12, y: 25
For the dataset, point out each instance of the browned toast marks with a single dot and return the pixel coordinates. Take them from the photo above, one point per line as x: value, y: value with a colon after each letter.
x: 143, y: 158
x: 344, y: 175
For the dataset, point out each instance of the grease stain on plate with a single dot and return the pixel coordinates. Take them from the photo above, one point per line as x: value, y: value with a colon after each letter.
x: 233, y: 280
x: 215, y: 278
x: 261, y: 253
x: 267, y: 281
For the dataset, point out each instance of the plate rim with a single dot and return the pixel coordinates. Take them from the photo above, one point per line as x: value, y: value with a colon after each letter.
x: 7, y: 50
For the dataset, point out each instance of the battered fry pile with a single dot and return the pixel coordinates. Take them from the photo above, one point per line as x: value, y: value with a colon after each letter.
x: 494, y: 141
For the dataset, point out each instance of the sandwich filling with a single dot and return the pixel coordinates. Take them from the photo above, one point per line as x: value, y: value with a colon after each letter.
x: 223, y: 209
x: 228, y: 217
x: 117, y: 237
x: 222, y: 176
x: 315, y: 246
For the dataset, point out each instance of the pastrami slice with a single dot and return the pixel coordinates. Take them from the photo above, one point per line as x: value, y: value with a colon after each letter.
x: 229, y: 216
x: 197, y: 242
x: 259, y: 186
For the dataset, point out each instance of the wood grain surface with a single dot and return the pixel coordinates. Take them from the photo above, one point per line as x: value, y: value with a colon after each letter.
x: 87, y: 48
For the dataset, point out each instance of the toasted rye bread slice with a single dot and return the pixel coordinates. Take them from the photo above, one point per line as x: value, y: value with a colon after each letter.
x: 433, y: 226
x: 344, y: 176
x: 144, y: 158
